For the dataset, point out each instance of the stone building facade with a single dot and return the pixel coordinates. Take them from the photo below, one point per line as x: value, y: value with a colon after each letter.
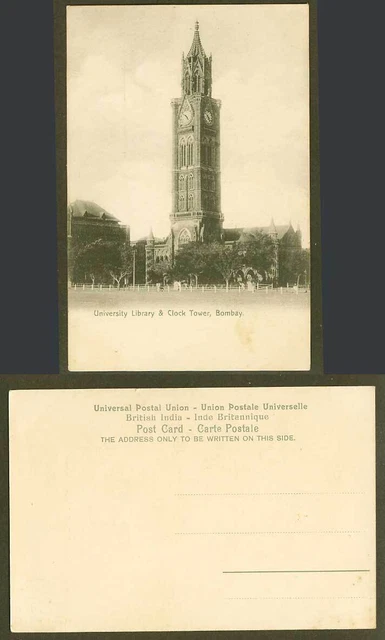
x: 88, y: 222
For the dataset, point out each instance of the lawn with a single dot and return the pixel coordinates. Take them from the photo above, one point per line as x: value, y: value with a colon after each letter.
x: 233, y: 299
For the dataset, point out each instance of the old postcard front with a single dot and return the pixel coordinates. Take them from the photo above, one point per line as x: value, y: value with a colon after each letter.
x: 199, y: 509
x: 188, y: 171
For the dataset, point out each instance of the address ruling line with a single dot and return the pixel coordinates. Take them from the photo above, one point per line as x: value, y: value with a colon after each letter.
x: 305, y: 571
x: 289, y: 493
x: 303, y: 598
x: 253, y: 533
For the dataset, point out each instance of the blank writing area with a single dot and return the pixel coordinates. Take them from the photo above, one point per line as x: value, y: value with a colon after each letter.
x: 120, y: 524
x: 304, y: 554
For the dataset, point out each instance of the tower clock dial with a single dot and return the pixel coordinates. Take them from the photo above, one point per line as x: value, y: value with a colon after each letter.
x: 208, y: 116
x: 185, y: 114
x: 185, y: 117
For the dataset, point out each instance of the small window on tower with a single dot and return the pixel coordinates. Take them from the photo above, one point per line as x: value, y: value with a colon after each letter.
x: 205, y: 148
x: 191, y: 181
x: 190, y: 202
x: 182, y: 153
x: 190, y: 159
x: 212, y: 152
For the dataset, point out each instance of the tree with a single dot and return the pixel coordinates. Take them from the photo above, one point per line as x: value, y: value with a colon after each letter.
x: 101, y: 260
x: 294, y: 263
x: 88, y: 262
x: 259, y: 253
x: 301, y: 265
x: 191, y: 261
x: 158, y: 272
x: 225, y: 260
x: 118, y: 261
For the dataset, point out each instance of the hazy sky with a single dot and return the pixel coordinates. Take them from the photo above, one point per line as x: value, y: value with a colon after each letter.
x: 124, y: 67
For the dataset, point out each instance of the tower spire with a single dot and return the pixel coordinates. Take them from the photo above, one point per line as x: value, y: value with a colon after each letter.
x: 196, y: 68
x: 196, y: 48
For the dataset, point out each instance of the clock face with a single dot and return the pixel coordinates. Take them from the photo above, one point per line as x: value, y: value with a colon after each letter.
x: 185, y: 117
x: 208, y: 116
x: 186, y: 114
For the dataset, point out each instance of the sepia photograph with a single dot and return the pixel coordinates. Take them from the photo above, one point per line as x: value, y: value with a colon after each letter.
x: 188, y: 173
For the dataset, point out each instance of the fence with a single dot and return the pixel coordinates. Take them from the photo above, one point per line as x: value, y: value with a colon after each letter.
x: 151, y: 288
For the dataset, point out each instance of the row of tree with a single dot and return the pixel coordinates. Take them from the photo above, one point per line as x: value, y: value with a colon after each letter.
x: 111, y: 262
x: 217, y: 262
x: 102, y: 262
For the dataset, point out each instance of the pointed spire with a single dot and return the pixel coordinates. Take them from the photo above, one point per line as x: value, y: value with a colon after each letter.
x: 196, y: 48
x: 151, y: 236
x: 196, y: 69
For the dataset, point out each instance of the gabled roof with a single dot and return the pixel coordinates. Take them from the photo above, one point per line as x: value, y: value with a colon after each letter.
x: 247, y: 233
x: 88, y: 209
x: 282, y: 229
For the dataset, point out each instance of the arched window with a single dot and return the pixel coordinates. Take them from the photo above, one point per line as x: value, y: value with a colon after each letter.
x: 209, y: 155
x: 190, y: 153
x: 181, y: 202
x: 181, y: 182
x: 190, y: 202
x: 212, y: 152
x: 184, y: 237
x: 191, y: 181
x: 205, y: 146
x: 182, y: 152
x: 187, y: 83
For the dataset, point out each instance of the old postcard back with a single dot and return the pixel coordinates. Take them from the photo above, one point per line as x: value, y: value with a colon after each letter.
x: 198, y: 509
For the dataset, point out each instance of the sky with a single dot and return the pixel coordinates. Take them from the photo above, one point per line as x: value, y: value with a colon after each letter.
x: 123, y: 70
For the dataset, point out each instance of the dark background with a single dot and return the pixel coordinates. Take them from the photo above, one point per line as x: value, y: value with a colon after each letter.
x: 351, y: 108
x: 351, y: 111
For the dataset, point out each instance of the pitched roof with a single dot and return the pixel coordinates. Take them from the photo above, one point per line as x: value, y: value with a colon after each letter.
x: 247, y: 233
x: 282, y: 229
x: 85, y: 208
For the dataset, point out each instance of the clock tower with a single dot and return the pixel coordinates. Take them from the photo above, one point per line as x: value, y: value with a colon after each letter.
x: 196, y: 191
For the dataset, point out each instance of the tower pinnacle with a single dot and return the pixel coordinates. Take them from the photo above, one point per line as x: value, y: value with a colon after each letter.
x: 196, y: 68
